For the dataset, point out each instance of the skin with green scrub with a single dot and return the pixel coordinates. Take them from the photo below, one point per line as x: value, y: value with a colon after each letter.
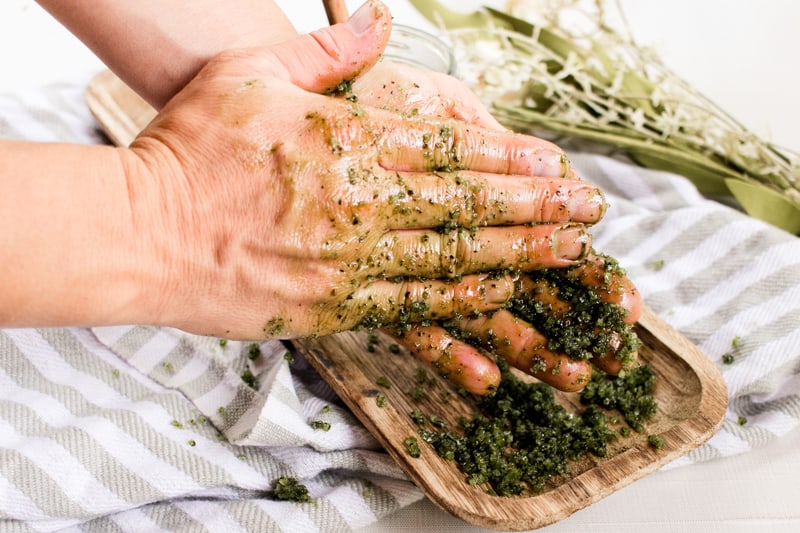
x: 259, y: 205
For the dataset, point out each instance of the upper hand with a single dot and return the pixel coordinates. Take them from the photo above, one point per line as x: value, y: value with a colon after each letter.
x: 274, y: 211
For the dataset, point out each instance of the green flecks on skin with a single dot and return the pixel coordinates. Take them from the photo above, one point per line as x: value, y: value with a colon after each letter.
x: 250, y: 85
x: 582, y: 331
x: 442, y: 152
x: 426, y: 140
x: 345, y: 89
x: 538, y: 365
x: 565, y: 165
x: 274, y: 327
x: 336, y: 146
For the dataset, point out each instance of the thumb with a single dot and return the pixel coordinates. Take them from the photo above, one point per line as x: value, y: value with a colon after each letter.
x: 320, y: 61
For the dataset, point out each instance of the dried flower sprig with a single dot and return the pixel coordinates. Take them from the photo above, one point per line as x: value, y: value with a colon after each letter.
x: 569, y: 69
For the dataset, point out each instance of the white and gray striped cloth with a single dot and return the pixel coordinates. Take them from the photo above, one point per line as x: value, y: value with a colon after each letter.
x: 141, y: 428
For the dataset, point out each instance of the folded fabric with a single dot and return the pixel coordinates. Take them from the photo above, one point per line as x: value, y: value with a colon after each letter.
x: 147, y: 428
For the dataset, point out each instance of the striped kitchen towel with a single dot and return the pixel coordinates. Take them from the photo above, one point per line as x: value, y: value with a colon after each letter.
x: 141, y: 428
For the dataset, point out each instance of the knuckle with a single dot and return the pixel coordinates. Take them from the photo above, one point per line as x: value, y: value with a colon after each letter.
x: 445, y: 147
x: 455, y: 251
x: 474, y: 197
x: 331, y: 43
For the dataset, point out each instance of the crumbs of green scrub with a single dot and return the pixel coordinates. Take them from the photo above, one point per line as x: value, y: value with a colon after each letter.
x: 412, y: 447
x: 630, y: 394
x: 581, y: 331
x: 289, y: 489
x: 380, y: 400
x: 253, y: 351
x: 655, y: 441
x: 249, y: 378
x: 320, y: 425
x: 521, y: 437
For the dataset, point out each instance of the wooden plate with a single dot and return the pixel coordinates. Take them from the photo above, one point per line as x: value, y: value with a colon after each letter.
x: 690, y: 392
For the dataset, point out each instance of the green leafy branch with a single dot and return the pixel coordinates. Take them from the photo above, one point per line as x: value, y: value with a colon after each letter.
x: 590, y: 82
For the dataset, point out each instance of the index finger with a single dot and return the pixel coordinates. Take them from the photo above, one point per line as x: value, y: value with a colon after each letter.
x: 426, y: 144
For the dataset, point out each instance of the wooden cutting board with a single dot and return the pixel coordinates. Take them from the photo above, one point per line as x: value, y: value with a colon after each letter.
x: 690, y: 392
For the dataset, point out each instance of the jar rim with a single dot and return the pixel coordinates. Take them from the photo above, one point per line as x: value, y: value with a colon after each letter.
x: 421, y: 48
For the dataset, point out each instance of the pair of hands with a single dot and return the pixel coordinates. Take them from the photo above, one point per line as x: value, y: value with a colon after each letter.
x: 277, y: 211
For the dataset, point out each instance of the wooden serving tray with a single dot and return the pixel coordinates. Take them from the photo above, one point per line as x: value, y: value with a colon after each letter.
x: 690, y: 392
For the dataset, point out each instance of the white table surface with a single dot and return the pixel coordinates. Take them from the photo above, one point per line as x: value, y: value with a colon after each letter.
x: 740, y: 53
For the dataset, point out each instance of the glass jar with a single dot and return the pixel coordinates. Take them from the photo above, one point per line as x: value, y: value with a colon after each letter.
x: 420, y: 49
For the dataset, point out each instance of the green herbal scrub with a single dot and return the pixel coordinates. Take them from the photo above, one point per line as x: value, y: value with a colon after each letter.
x: 520, y: 438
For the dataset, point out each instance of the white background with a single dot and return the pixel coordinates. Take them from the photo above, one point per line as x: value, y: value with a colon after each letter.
x: 740, y: 53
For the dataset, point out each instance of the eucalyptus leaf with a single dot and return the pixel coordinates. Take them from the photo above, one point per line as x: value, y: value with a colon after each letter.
x: 599, y: 87
x: 766, y: 204
x: 709, y: 178
x: 707, y: 175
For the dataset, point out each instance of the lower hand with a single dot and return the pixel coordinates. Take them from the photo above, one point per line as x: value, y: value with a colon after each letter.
x: 456, y: 351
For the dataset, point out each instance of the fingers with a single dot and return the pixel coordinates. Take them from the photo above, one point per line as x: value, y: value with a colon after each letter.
x: 410, y: 301
x: 613, y: 362
x: 523, y: 347
x: 427, y: 144
x: 452, y: 358
x: 469, y: 199
x: 609, y: 281
x: 608, y: 347
x: 432, y: 254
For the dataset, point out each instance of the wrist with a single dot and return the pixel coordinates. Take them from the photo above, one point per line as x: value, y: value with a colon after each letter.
x: 70, y: 255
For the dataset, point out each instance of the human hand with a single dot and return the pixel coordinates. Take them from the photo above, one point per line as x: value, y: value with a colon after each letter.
x: 276, y: 212
x: 454, y: 351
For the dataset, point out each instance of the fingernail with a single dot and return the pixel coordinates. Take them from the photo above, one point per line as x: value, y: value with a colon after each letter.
x: 587, y: 204
x: 363, y: 19
x: 497, y: 290
x: 571, y: 242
